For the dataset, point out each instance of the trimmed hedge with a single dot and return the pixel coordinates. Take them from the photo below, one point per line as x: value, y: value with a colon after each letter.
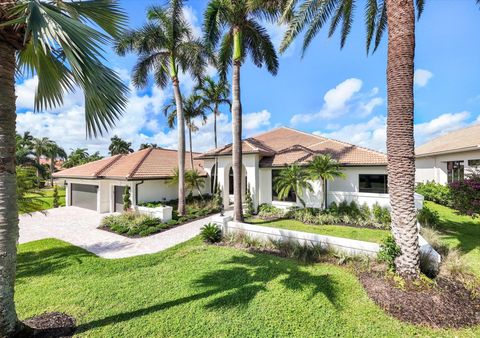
x: 435, y: 192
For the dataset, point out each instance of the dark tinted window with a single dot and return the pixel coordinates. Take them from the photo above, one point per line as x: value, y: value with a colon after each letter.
x: 373, y: 183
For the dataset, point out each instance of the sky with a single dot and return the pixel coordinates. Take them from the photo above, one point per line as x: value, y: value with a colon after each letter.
x: 337, y: 93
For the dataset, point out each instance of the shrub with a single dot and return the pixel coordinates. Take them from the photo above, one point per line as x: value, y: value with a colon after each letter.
x: 389, y: 251
x: 211, y: 233
x: 435, y: 192
x: 127, y: 203
x: 249, y: 209
x: 365, y: 212
x: 269, y: 212
x: 428, y: 218
x: 56, y: 202
x: 133, y: 224
x: 466, y: 194
x: 381, y: 216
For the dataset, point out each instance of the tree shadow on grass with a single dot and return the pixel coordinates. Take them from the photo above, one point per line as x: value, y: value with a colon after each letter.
x: 466, y: 232
x: 236, y: 285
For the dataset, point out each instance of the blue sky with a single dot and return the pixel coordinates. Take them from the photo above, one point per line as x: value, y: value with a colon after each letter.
x: 336, y: 93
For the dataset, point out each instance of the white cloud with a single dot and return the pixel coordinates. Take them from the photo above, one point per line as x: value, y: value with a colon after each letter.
x: 257, y: 120
x: 422, y: 77
x: 191, y: 17
x: 343, y: 98
x: 276, y: 32
x: 440, y: 125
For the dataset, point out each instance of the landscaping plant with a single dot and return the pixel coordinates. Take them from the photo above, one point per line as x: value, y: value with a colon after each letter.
x: 466, y: 194
x: 389, y: 251
x: 249, y: 209
x: 211, y: 233
x: 127, y: 202
x: 56, y: 202
x: 435, y: 192
x: 427, y: 217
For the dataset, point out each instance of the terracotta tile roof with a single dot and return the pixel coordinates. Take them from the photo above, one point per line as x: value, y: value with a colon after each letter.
x: 458, y: 140
x: 284, y: 146
x: 144, y: 164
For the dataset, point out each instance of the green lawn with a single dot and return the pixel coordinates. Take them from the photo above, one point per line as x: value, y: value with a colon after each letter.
x: 361, y: 234
x: 46, y: 198
x: 462, y: 232
x: 195, y: 290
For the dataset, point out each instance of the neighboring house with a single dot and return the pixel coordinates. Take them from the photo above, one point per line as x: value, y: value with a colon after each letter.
x: 449, y: 157
x: 100, y: 185
x: 266, y: 154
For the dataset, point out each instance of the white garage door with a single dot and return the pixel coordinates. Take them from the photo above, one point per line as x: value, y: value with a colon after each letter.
x: 84, y: 196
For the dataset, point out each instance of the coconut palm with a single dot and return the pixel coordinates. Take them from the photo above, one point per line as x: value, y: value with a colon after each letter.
x: 40, y: 147
x: 119, y: 146
x: 165, y: 46
x: 50, y: 39
x: 214, y: 93
x: 238, y: 22
x: 192, y: 109
x: 324, y: 168
x: 399, y: 17
x: 292, y: 178
x: 54, y: 151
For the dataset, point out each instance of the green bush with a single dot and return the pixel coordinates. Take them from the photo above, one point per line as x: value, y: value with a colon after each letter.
x: 211, y: 233
x: 381, y: 215
x: 466, y: 194
x: 389, y: 251
x: 249, y: 208
x: 56, y: 202
x: 127, y: 203
x: 268, y: 212
x: 133, y: 224
x: 435, y: 192
x: 428, y: 218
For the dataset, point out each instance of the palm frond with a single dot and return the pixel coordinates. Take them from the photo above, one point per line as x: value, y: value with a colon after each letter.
x: 348, y: 8
x: 259, y: 45
x: 420, y: 4
x: 382, y: 23
x: 324, y: 12
x: 371, y: 10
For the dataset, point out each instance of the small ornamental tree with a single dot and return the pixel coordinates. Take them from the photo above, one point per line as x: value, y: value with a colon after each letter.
x: 127, y: 203
x: 249, y: 209
x: 56, y: 203
x: 466, y: 194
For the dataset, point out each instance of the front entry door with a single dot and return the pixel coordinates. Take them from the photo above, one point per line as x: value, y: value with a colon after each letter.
x: 118, y: 198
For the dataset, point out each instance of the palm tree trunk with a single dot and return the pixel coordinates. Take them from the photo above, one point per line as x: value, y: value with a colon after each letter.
x: 52, y: 168
x: 215, y: 180
x: 38, y: 171
x: 8, y: 186
x: 181, y: 147
x: 400, y: 138
x: 325, y: 194
x: 191, y: 151
x: 237, y: 143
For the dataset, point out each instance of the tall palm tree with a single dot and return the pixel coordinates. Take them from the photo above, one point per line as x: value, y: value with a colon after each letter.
x: 238, y: 22
x: 324, y: 168
x: 119, y: 146
x: 52, y: 40
x: 292, y: 178
x: 165, y: 45
x: 399, y: 17
x: 214, y: 93
x: 40, y: 147
x: 54, y: 151
x: 192, y: 109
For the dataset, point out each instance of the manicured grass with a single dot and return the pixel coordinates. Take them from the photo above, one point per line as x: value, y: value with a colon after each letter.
x: 459, y: 231
x: 196, y: 290
x: 361, y: 234
x: 45, y: 196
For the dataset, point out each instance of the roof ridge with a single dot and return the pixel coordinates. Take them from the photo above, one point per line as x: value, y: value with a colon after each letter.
x: 292, y: 147
x: 114, y: 158
x: 140, y: 162
x: 475, y: 125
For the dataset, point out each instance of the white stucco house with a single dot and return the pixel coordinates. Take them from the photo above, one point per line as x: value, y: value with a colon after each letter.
x: 449, y: 157
x: 266, y: 154
x: 100, y: 185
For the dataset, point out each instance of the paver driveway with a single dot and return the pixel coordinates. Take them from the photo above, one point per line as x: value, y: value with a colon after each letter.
x: 79, y: 227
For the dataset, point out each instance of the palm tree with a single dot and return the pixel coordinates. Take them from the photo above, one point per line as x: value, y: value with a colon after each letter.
x: 192, y: 109
x: 213, y: 95
x: 324, y: 168
x: 40, y: 147
x: 52, y: 40
x: 147, y: 145
x: 292, y: 178
x: 54, y: 151
x: 399, y: 17
x: 238, y: 21
x: 119, y: 146
x: 193, y: 180
x: 165, y: 45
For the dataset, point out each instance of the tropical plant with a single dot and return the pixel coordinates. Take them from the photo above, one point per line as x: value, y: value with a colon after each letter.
x: 165, y: 45
x: 50, y: 39
x: 399, y: 17
x: 148, y: 145
x: 213, y: 94
x: 211, y: 233
x: 249, y: 207
x: 324, y: 168
x: 292, y: 179
x: 435, y: 192
x: 466, y: 194
x: 40, y: 147
x: 26, y: 183
x: 192, y: 109
x: 53, y: 152
x: 127, y: 202
x: 81, y: 156
x: 24, y: 154
x: 56, y: 202
x: 389, y: 252
x: 193, y: 180
x: 243, y: 34
x: 118, y: 146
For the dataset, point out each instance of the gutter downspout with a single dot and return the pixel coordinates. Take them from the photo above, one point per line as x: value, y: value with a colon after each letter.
x: 136, y: 191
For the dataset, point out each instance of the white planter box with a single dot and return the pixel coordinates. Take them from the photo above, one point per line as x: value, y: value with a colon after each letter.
x: 164, y: 213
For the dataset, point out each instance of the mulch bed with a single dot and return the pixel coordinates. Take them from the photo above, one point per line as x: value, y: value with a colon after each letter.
x: 447, y: 304
x: 51, y: 325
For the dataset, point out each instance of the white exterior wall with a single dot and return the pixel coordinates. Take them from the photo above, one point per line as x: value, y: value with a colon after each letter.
x: 351, y: 181
x: 265, y: 185
x: 434, y: 168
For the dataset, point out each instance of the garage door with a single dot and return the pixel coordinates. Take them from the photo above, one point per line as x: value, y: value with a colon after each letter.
x: 84, y: 196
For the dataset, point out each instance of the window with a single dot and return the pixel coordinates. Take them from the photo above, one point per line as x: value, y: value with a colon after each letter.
x: 291, y: 196
x: 373, y: 183
x: 474, y: 163
x: 455, y: 171
x: 230, y: 181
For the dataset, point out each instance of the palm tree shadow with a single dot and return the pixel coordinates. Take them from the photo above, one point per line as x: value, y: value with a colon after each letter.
x: 236, y: 286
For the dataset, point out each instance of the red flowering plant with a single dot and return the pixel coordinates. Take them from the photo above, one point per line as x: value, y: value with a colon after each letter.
x: 466, y: 194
